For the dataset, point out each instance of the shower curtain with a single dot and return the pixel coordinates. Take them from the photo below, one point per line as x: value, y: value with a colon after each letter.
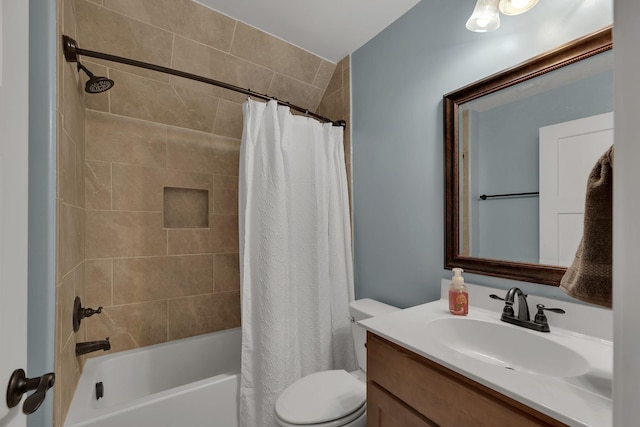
x: 295, y: 255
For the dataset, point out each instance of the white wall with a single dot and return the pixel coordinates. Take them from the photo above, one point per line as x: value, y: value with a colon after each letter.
x: 626, y: 212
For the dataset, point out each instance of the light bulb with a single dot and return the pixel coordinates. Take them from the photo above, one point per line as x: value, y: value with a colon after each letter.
x: 516, y: 7
x: 485, y: 17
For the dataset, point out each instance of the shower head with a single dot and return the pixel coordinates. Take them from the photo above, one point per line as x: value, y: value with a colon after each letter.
x: 95, y: 84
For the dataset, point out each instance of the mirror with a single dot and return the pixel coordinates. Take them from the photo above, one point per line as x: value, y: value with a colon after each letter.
x: 501, y: 215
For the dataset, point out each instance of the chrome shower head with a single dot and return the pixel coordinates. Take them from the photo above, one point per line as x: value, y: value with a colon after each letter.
x: 95, y: 84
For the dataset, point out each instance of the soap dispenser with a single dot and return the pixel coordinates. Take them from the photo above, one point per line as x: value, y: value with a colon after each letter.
x: 458, y: 294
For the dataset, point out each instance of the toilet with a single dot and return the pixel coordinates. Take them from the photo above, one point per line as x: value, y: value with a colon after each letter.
x: 333, y: 398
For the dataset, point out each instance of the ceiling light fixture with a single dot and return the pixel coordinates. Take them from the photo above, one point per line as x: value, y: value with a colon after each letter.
x: 516, y: 7
x: 486, y: 14
x: 485, y: 17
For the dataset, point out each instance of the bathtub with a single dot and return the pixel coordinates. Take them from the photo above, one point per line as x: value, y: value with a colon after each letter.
x: 185, y: 383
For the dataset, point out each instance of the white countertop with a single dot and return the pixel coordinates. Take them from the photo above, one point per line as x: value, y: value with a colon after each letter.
x: 583, y: 400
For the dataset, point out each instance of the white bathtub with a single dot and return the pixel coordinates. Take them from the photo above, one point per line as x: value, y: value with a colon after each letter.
x: 186, y: 383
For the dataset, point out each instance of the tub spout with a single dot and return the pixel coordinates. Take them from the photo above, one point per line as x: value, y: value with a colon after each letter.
x: 91, y: 346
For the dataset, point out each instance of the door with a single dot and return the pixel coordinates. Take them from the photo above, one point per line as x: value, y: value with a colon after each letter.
x: 568, y: 152
x: 14, y: 67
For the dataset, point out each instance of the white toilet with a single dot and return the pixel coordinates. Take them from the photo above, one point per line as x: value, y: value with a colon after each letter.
x: 333, y: 398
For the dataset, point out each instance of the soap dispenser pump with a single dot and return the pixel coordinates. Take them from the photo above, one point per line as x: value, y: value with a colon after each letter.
x: 458, y: 294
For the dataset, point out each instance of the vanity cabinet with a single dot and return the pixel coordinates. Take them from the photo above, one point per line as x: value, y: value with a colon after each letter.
x: 406, y: 389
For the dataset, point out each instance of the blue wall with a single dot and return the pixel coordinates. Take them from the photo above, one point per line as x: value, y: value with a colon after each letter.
x: 398, y: 79
x: 509, y: 146
x: 42, y: 193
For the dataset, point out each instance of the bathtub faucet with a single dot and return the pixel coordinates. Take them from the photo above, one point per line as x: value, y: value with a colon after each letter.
x: 91, y: 346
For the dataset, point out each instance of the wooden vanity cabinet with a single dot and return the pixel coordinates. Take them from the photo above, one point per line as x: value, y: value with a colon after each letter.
x: 408, y: 390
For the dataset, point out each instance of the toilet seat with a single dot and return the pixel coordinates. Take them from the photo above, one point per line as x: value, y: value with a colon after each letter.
x: 322, y: 399
x: 359, y: 413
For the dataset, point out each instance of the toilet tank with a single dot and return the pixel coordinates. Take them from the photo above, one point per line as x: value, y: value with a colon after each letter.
x: 363, y: 309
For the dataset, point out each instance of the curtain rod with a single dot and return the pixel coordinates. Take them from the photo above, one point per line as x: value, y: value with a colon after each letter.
x: 71, y: 52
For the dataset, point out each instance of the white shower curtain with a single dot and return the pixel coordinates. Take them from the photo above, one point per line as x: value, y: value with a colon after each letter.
x: 295, y: 255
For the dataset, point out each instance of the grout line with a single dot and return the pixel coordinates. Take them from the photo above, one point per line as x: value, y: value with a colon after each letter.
x: 111, y: 182
x: 112, y: 279
x: 201, y: 254
x: 173, y: 49
x: 233, y: 36
x: 213, y: 271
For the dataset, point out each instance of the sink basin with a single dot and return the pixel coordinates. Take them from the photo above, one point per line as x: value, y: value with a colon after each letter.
x: 507, y: 346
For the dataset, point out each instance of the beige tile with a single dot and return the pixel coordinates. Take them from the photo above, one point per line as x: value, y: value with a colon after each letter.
x: 80, y: 177
x: 59, y: 241
x: 222, y: 237
x: 130, y: 326
x: 97, y: 185
x: 203, y: 313
x: 72, y: 104
x: 346, y: 91
x: 67, y: 182
x: 69, y: 376
x: 68, y: 18
x: 103, y: 30
x: 142, y: 98
x: 137, y: 188
x: 224, y: 233
x: 98, y: 288
x: 345, y: 62
x: 185, y: 179
x: 80, y: 281
x: 183, y: 241
x: 184, y: 17
x: 120, y: 139
x: 60, y: 134
x: 185, y: 208
x: 273, y: 53
x: 95, y: 101
x: 229, y: 119
x: 227, y: 272
x: 325, y: 72
x: 155, y: 278
x: 349, y: 188
x: 65, y: 294
x: 106, y: 31
x: 347, y: 140
x: 124, y: 234
x: 217, y: 65
x: 335, y: 83
x: 201, y: 152
x: 298, y: 93
x: 71, y: 237
x: 332, y: 106
x: 225, y: 194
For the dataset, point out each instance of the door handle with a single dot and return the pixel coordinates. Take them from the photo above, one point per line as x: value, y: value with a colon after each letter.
x: 19, y: 384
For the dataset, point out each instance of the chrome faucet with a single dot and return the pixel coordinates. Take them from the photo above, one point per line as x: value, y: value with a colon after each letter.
x: 91, y: 346
x: 523, y: 318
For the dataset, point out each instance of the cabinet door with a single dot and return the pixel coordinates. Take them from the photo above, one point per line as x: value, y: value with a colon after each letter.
x: 384, y: 410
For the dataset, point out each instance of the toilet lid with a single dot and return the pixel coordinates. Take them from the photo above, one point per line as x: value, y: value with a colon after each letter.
x: 321, y: 397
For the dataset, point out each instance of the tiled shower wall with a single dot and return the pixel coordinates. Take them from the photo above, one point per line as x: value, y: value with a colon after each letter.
x: 160, y: 273
x: 70, y: 241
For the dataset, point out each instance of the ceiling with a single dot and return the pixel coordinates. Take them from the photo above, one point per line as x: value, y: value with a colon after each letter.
x: 331, y: 29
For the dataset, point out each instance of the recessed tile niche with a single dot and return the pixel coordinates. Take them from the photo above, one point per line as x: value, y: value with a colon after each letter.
x: 185, y: 208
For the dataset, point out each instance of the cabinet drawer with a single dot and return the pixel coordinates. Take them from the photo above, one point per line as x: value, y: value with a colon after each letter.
x: 385, y: 410
x: 441, y: 395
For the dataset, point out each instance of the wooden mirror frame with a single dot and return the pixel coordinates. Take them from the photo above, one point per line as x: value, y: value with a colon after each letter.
x: 567, y: 54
